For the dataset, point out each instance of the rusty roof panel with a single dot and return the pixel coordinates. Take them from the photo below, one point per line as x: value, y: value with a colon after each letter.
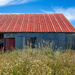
x: 68, y: 24
x: 35, y: 23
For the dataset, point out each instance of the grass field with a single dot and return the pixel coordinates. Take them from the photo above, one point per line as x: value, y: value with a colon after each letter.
x: 38, y: 62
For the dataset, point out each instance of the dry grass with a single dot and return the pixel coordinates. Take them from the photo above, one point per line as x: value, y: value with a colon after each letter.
x: 37, y: 62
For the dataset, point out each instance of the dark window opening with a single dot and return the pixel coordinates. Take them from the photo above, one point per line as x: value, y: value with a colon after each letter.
x: 1, y: 42
x: 30, y: 42
x: 33, y: 41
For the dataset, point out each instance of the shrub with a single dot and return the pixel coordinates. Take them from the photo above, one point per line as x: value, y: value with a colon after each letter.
x: 37, y: 62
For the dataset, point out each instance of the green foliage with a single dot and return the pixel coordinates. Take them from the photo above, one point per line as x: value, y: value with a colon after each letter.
x: 38, y: 62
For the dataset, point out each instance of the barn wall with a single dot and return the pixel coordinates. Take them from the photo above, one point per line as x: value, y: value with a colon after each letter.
x: 60, y: 39
x: 70, y: 40
x: 57, y: 38
x: 9, y: 35
x: 18, y: 39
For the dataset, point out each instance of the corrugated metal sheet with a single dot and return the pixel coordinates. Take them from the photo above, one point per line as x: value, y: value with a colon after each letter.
x: 35, y: 23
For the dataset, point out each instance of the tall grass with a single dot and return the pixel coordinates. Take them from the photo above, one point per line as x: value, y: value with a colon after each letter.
x: 37, y: 62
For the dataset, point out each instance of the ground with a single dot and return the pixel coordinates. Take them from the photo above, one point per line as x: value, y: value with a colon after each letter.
x: 37, y: 62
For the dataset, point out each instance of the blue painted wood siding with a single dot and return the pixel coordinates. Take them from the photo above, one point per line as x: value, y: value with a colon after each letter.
x: 57, y: 38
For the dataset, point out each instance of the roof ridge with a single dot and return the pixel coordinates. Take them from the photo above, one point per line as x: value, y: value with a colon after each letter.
x: 30, y: 13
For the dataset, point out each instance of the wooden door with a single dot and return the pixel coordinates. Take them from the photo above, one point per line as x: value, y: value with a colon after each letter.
x: 9, y: 44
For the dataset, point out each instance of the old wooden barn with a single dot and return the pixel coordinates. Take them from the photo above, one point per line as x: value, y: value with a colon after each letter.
x: 20, y: 30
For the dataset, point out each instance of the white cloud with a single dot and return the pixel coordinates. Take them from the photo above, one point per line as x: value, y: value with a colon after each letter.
x: 69, y: 12
x: 13, y: 2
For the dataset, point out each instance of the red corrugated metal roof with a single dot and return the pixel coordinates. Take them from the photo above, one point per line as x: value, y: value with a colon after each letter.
x: 35, y: 23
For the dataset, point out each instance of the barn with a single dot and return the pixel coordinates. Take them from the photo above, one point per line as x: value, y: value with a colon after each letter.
x: 20, y: 30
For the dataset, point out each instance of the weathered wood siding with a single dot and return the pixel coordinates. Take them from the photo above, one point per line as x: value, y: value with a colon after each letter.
x: 60, y: 39
x: 70, y: 40
x: 57, y: 38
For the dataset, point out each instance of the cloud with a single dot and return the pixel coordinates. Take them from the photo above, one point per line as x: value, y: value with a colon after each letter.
x: 69, y: 12
x: 13, y: 2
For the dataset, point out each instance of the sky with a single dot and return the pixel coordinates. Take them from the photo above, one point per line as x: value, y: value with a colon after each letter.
x: 67, y: 7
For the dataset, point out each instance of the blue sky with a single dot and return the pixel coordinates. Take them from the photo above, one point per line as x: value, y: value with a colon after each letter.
x: 67, y: 7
